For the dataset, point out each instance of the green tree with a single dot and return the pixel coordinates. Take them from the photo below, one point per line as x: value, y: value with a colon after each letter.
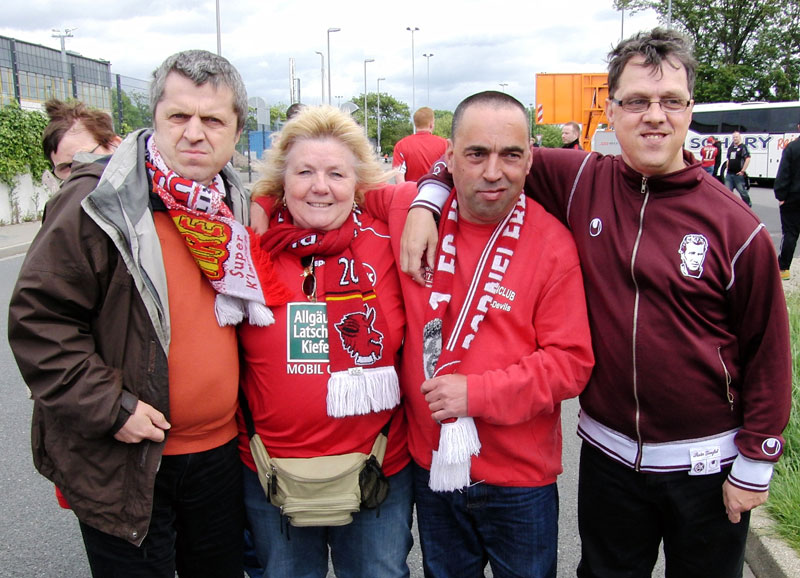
x: 443, y: 123
x: 135, y: 111
x: 21, y: 144
x: 551, y: 134
x: 277, y: 115
x: 395, y: 123
x: 746, y: 49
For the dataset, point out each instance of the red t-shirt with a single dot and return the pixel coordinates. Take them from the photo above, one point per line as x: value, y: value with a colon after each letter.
x: 708, y: 155
x: 415, y: 154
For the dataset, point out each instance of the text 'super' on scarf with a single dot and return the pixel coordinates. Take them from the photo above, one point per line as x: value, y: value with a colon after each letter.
x: 458, y: 438
x: 240, y: 273
x: 363, y: 378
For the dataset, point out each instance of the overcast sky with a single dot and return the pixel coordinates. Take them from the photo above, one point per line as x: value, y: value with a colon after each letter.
x: 476, y: 44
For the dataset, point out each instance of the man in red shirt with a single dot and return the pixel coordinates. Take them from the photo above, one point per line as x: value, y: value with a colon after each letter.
x: 415, y: 154
x: 708, y: 155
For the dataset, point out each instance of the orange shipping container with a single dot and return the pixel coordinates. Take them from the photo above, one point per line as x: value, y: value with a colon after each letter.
x: 578, y: 97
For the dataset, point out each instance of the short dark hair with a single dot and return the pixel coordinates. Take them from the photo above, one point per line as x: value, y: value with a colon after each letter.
x: 491, y: 98
x: 293, y: 109
x: 64, y: 115
x: 658, y: 46
x: 201, y: 66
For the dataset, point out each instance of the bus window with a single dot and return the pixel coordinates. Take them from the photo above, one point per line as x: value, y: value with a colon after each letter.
x: 706, y: 122
x: 754, y: 120
x: 784, y: 120
x: 730, y: 122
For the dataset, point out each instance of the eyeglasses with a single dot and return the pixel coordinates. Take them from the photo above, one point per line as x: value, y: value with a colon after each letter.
x: 63, y: 170
x: 643, y: 104
x: 309, y: 279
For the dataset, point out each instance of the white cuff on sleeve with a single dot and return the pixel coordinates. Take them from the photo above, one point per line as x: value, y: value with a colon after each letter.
x: 431, y: 196
x: 750, y: 474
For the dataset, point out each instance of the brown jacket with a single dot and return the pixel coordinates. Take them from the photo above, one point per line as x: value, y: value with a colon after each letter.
x: 89, y: 327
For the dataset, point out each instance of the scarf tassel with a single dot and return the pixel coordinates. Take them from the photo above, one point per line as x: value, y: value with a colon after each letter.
x: 229, y: 309
x: 450, y: 467
x: 259, y: 314
x: 232, y: 311
x: 358, y: 391
x: 448, y: 477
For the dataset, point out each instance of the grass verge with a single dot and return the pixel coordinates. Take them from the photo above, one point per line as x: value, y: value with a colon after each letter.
x: 784, y: 497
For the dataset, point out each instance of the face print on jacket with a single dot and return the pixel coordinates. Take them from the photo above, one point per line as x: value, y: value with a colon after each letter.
x: 693, y: 253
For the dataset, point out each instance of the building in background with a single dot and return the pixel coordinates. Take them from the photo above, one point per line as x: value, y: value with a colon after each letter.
x: 31, y: 73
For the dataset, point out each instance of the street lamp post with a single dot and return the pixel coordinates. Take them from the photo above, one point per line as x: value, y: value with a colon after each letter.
x: 64, y: 67
x: 219, y: 33
x: 366, y: 110
x: 379, y: 114
x: 503, y: 86
x: 428, y: 59
x: 530, y: 120
x: 329, y: 60
x: 321, y: 75
x: 413, y: 79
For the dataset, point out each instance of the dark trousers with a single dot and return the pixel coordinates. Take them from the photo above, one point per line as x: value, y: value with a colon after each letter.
x: 623, y: 516
x: 790, y: 227
x: 515, y: 529
x: 197, y: 525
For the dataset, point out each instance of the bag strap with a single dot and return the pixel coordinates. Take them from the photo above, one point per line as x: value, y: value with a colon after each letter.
x: 378, y: 448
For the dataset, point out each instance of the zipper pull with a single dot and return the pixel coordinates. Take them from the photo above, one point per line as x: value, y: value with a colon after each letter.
x: 644, y: 185
x: 273, y: 481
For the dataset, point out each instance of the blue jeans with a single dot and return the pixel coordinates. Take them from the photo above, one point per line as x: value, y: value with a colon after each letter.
x: 196, y: 527
x: 375, y: 544
x: 623, y: 515
x: 736, y: 183
x: 515, y: 529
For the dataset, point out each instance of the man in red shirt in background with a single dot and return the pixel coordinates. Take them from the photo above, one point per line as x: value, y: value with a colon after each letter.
x: 708, y: 155
x: 415, y: 154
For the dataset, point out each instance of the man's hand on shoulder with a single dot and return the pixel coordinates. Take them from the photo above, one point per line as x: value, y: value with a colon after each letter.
x: 145, y: 423
x: 418, y: 244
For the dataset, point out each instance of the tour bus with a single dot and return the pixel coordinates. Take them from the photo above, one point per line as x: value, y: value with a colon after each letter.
x: 766, y: 129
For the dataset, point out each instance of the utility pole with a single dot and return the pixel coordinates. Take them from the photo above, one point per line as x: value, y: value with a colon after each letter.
x: 64, y: 66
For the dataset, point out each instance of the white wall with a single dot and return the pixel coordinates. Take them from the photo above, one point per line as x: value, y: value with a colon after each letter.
x: 29, y: 199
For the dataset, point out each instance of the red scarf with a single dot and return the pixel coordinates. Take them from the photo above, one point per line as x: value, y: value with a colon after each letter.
x: 363, y: 378
x: 458, y: 439
x: 240, y: 273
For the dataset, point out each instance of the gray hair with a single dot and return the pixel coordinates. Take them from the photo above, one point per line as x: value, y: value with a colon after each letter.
x: 201, y: 66
x: 657, y: 47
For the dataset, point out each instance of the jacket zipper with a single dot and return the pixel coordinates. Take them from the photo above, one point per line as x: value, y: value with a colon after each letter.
x: 728, y: 393
x: 644, y: 191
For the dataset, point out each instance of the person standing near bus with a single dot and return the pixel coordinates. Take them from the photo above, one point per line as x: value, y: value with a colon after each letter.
x: 708, y: 156
x: 738, y: 160
x: 787, y: 191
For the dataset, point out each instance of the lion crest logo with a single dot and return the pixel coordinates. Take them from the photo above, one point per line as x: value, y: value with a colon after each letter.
x: 359, y: 337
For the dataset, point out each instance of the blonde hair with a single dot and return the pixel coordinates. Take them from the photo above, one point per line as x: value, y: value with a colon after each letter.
x: 318, y: 123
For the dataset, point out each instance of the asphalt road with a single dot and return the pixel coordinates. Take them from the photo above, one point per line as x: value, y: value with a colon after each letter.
x: 39, y: 539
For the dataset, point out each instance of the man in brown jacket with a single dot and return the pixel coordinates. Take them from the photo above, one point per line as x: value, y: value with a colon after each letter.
x: 114, y: 330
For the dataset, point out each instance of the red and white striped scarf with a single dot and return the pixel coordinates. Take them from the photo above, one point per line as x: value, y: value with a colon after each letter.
x: 240, y: 273
x: 458, y: 439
